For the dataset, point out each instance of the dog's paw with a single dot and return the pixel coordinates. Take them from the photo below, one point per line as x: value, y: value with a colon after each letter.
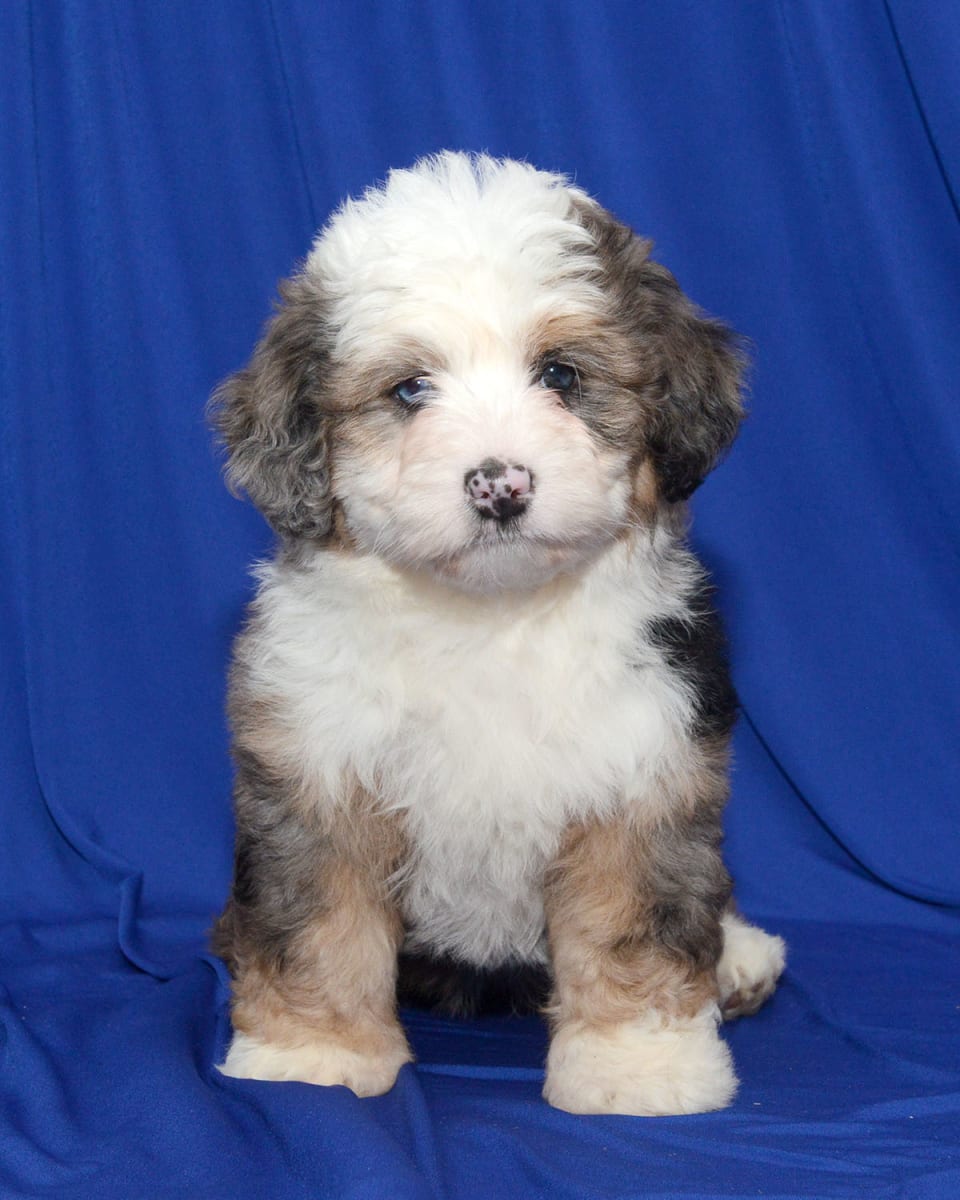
x: 647, y: 1067
x: 322, y: 1062
x: 750, y: 965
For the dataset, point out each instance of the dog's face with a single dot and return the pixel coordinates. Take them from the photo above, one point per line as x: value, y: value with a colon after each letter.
x: 479, y: 374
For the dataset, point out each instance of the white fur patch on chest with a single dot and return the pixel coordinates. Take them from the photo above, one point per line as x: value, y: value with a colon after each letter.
x: 489, y: 725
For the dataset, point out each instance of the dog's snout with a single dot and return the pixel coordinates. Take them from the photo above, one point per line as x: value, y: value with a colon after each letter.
x: 499, y: 490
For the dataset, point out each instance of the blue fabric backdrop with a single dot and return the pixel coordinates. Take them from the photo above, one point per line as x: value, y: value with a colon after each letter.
x: 161, y: 166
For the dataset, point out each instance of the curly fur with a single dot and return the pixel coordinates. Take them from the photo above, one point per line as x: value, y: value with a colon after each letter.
x: 481, y: 705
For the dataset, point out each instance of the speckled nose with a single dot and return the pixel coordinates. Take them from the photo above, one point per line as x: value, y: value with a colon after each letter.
x: 499, y: 490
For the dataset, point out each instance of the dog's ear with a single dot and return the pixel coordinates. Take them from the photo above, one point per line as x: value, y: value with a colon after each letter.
x: 700, y: 406
x: 270, y: 418
x: 689, y: 364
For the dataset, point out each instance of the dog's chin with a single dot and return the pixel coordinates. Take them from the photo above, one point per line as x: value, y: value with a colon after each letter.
x: 482, y: 558
x: 488, y: 567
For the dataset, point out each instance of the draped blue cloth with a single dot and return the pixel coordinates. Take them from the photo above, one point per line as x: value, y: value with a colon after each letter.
x: 163, y: 165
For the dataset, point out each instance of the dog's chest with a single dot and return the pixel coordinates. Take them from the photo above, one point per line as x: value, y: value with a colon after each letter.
x: 490, y: 737
x: 492, y: 761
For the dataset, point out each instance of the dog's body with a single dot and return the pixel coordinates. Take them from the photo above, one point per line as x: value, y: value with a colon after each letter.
x: 481, y: 708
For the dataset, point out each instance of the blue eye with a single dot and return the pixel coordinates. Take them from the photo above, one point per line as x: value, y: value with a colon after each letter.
x: 411, y: 392
x: 558, y: 376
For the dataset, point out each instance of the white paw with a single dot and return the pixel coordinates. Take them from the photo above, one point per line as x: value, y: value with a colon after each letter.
x: 647, y: 1067
x: 325, y: 1063
x: 750, y: 965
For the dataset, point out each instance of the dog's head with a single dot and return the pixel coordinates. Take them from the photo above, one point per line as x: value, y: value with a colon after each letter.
x: 480, y: 374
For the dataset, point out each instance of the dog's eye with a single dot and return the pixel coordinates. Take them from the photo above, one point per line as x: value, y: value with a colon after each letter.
x: 412, y: 392
x: 558, y: 376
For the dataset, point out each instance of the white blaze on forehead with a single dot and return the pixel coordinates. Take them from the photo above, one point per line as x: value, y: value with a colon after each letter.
x: 455, y: 241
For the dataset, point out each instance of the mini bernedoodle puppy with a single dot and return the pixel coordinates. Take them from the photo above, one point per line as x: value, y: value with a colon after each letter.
x: 480, y: 709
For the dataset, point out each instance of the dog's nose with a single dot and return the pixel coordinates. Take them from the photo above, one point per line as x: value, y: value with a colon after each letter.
x: 499, y: 490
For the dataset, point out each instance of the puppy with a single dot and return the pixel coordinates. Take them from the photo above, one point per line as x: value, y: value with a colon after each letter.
x: 480, y: 708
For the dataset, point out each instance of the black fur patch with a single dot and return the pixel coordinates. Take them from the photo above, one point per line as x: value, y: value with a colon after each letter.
x: 696, y: 647
x: 444, y: 986
x: 691, y: 886
x: 279, y: 868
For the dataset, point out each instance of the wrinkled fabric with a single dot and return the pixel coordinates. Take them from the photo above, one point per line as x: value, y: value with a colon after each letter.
x: 797, y: 165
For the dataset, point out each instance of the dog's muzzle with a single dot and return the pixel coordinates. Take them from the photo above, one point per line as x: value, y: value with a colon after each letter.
x: 499, y: 491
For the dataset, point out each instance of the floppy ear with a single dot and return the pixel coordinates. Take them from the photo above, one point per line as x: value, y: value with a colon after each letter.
x: 269, y: 417
x: 700, y: 407
x: 690, y: 365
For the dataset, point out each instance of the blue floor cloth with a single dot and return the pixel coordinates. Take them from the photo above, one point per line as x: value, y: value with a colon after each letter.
x: 109, y: 1090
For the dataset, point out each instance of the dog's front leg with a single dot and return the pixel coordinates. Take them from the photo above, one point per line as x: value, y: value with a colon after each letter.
x: 633, y: 915
x: 311, y: 936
